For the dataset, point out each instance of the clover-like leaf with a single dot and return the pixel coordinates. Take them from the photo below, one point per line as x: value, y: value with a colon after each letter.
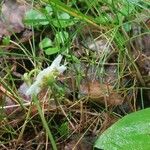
x: 35, y: 18
x: 63, y: 20
x: 61, y: 37
x: 45, y: 43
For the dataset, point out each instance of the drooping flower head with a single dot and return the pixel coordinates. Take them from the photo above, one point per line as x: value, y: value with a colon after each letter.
x: 50, y: 72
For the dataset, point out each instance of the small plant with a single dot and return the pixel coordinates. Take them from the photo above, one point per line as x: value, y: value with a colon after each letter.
x: 47, y: 76
x: 51, y: 47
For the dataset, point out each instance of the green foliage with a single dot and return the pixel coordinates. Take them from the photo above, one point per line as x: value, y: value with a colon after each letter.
x: 6, y: 40
x: 48, y: 15
x: 47, y: 45
x: 132, y: 132
x: 51, y: 47
x: 61, y: 37
x: 63, y: 20
x: 49, y: 10
x: 119, y: 12
x: 52, y: 50
x: 60, y: 22
x: 72, y: 12
x: 64, y: 129
x: 35, y: 18
x: 46, y: 42
x: 51, y: 16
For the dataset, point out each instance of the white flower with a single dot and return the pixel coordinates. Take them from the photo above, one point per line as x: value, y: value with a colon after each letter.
x: 36, y: 87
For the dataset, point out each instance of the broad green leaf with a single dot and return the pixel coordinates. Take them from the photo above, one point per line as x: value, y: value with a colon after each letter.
x: 132, y: 132
x: 52, y: 50
x: 45, y: 43
x: 35, y: 18
x: 61, y: 37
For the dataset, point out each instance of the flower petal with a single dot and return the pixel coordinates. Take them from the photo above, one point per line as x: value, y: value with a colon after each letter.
x: 35, y: 88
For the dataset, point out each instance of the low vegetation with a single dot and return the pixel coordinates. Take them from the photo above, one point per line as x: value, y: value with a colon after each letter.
x: 71, y: 72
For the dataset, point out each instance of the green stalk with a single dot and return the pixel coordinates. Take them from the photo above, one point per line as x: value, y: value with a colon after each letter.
x: 45, y: 123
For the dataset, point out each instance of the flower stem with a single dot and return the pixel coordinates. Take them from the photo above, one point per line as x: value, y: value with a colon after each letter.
x: 48, y: 131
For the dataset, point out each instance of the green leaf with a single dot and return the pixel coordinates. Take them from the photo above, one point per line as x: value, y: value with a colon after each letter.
x: 35, y: 18
x: 105, y: 19
x: 64, y: 129
x: 49, y: 9
x: 73, y: 12
x: 45, y: 43
x: 63, y: 20
x: 127, y: 26
x: 63, y: 16
x: 6, y: 40
x: 61, y: 37
x: 127, y: 8
x: 52, y: 50
x: 132, y: 132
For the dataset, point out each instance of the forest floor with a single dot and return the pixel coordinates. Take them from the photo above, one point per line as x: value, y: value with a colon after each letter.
x: 104, y: 49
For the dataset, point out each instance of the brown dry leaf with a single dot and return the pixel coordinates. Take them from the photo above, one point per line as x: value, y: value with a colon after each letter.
x: 3, y: 30
x: 101, y: 93
x: 12, y: 13
x: 96, y: 43
x: 148, y: 23
x: 142, y: 44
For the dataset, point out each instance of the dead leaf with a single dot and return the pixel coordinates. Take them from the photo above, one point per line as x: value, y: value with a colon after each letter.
x: 101, y: 93
x: 12, y: 14
x: 3, y: 30
x: 142, y: 44
x: 94, y: 42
